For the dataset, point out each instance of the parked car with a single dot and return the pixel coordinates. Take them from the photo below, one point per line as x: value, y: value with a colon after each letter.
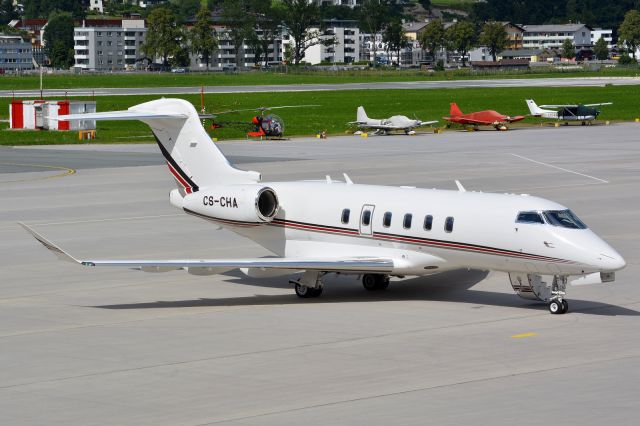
x: 178, y: 70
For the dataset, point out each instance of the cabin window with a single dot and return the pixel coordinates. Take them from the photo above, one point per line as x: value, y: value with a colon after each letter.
x: 448, y: 224
x: 345, y: 216
x: 366, y: 217
x: 406, y: 223
x: 564, y: 219
x: 428, y: 222
x: 386, y: 220
x: 529, y: 217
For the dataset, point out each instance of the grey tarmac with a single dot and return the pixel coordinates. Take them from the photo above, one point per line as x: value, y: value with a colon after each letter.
x: 444, y: 84
x: 108, y: 346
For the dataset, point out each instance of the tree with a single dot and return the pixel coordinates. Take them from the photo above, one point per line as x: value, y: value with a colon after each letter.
x: 202, y: 39
x: 237, y: 16
x: 432, y: 38
x: 44, y: 8
x: 601, y: 50
x: 7, y: 12
x: 462, y: 37
x: 374, y: 17
x: 426, y: 4
x: 629, y: 31
x: 494, y: 36
x: 185, y: 9
x: 163, y: 36
x: 568, y: 49
x: 302, y: 19
x: 58, y: 40
x: 395, y: 37
x: 268, y: 26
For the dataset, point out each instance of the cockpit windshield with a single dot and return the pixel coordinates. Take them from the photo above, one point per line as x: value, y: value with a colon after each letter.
x: 564, y: 219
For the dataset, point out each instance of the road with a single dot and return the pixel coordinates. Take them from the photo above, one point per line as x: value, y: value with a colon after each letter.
x: 453, y: 84
x: 92, y: 346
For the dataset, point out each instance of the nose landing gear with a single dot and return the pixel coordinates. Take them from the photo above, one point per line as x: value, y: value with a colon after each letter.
x: 532, y: 287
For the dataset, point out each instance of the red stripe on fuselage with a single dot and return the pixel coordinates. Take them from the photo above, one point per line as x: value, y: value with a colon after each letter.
x: 180, y: 179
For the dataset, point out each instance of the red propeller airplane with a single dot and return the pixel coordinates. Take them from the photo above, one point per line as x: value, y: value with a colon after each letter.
x: 481, y: 118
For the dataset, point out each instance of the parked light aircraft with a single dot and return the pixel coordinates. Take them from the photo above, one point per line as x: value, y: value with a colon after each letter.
x: 584, y: 113
x: 321, y: 227
x: 481, y: 118
x: 387, y: 125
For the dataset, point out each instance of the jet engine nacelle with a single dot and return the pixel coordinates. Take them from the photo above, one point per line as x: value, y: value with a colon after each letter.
x: 238, y: 203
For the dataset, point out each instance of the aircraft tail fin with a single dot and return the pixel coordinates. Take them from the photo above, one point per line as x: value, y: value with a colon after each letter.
x: 455, y: 110
x: 361, y: 115
x: 192, y: 157
x: 534, y: 108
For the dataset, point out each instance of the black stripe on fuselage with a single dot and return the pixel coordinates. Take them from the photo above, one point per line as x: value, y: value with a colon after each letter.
x: 177, y: 168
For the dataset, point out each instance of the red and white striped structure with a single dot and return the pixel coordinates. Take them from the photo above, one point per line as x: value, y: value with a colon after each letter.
x: 42, y: 114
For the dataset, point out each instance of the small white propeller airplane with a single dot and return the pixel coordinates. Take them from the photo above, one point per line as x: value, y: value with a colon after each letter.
x: 387, y: 125
x: 321, y: 227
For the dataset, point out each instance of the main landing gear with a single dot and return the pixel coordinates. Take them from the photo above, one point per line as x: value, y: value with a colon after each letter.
x: 373, y: 282
x: 310, y: 284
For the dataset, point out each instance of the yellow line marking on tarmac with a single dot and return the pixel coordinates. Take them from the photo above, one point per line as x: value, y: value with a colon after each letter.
x: 65, y: 172
x: 523, y: 335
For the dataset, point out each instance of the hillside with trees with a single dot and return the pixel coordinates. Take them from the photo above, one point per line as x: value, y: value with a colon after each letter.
x: 595, y: 13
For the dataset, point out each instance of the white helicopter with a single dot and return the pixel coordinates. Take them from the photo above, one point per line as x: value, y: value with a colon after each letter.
x: 320, y: 227
x: 387, y: 125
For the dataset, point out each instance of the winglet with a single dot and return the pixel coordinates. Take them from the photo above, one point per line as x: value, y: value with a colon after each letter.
x: 61, y: 254
x: 460, y: 187
x: 347, y: 179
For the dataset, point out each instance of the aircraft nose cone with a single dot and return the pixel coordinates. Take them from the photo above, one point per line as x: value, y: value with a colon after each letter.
x: 612, y: 261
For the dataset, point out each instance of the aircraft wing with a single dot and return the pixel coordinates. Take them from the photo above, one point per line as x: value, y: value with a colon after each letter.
x: 461, y: 120
x: 600, y: 104
x: 427, y: 123
x: 351, y: 264
x: 559, y: 106
x: 120, y: 115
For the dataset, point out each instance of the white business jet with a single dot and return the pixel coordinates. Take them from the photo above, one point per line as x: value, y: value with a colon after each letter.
x: 321, y: 227
x: 387, y: 125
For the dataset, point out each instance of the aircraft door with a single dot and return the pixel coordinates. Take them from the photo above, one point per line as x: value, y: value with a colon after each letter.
x: 366, y: 219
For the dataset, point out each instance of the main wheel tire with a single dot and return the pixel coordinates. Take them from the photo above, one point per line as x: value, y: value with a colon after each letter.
x: 315, y: 292
x: 555, y: 307
x: 370, y: 282
x: 383, y: 282
x: 565, y: 306
x: 303, y: 291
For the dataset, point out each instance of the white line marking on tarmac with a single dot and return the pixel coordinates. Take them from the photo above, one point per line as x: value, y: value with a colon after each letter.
x: 112, y: 219
x: 560, y: 168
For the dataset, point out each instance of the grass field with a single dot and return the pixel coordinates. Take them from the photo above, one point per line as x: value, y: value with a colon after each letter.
x: 339, y: 107
x: 53, y: 81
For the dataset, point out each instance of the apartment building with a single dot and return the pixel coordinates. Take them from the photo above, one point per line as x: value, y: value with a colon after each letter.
x: 345, y: 49
x: 16, y: 53
x: 110, y: 48
x: 607, y: 35
x: 552, y: 36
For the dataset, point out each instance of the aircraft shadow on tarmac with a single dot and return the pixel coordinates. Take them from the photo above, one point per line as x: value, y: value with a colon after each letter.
x: 453, y: 286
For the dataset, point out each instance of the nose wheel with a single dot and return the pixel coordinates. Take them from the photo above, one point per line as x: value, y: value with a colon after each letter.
x: 558, y: 306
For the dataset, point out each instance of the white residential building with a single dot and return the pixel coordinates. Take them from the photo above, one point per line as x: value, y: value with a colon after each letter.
x: 552, y: 36
x: 96, y: 5
x: 598, y: 33
x: 350, y: 3
x: 346, y: 48
x: 114, y: 48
